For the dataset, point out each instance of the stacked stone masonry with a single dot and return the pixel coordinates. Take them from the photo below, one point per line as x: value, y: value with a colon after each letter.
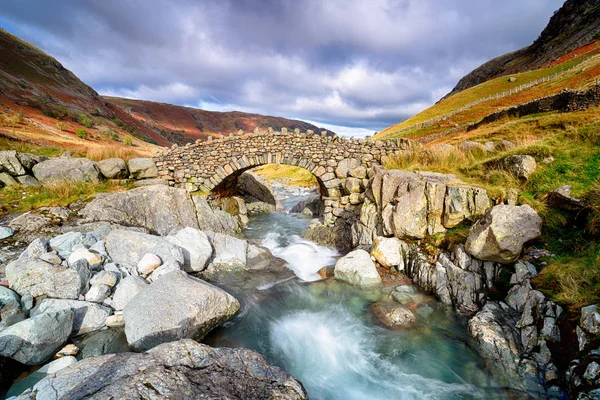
x: 205, y: 165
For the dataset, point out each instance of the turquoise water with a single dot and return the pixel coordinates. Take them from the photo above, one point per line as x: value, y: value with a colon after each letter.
x: 323, y: 333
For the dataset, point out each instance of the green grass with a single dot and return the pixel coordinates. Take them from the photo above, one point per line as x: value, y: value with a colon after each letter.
x: 287, y: 174
x: 19, y: 199
x: 31, y: 148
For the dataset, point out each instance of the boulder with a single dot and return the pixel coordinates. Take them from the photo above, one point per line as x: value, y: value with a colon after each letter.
x: 590, y: 319
x: 93, y: 259
x: 500, y: 235
x: 70, y: 170
x: 387, y: 251
x: 468, y: 147
x: 7, y: 180
x: 6, y: 232
x: 181, y: 370
x: 174, y: 307
x: 35, y: 340
x: 197, y: 249
x: 10, y: 164
x: 127, y: 289
x: 108, y: 278
x: 99, y: 343
x: 148, y: 263
x: 229, y: 252
x: 392, y: 315
x: 87, y: 317
x: 213, y: 220
x: 160, y: 209
x: 562, y: 198
x: 39, y: 278
x: 68, y: 242
x: 520, y: 166
x: 28, y: 382
x: 128, y: 247
x: 27, y: 180
x: 256, y: 187
x: 141, y: 168
x: 98, y: 293
x: 113, y: 168
x: 357, y: 269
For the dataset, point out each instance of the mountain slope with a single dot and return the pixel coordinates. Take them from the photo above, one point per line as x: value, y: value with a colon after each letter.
x: 179, y: 124
x: 44, y: 103
x: 576, y: 23
x: 577, y: 70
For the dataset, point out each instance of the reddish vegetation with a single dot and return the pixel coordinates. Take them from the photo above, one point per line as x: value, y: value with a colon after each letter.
x: 41, y: 101
x: 181, y: 124
x: 589, y: 48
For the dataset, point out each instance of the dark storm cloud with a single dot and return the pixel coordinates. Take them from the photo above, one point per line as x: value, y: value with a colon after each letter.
x: 366, y: 64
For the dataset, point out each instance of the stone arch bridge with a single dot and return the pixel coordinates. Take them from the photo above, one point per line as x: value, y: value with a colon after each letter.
x: 339, y: 164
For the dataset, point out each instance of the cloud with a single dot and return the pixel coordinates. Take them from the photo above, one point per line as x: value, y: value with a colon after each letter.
x: 350, y: 63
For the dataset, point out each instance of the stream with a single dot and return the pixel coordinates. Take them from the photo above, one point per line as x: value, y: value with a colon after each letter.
x: 322, y: 332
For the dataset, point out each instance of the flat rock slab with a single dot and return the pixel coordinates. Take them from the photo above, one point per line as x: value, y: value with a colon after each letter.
x: 180, y: 370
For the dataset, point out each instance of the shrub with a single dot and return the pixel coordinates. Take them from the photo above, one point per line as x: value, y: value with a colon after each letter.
x: 85, y: 121
x: 81, y: 133
x: 128, y: 140
x: 117, y: 121
x: 61, y: 126
x: 48, y: 112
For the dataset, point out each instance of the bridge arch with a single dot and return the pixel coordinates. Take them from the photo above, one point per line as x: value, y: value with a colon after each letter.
x: 206, y: 165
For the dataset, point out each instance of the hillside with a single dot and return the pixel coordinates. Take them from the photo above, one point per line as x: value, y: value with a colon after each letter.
x: 44, y: 104
x: 179, y: 124
x: 576, y: 23
x: 576, y: 70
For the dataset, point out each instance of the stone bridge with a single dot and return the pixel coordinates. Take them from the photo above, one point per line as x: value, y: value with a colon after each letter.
x: 339, y: 164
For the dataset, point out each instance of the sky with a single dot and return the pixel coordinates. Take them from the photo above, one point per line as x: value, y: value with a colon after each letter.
x: 353, y: 66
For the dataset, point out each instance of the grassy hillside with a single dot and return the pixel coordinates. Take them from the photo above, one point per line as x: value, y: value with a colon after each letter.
x: 577, y: 70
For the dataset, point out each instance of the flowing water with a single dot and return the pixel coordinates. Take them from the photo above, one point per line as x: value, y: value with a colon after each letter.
x: 323, y: 333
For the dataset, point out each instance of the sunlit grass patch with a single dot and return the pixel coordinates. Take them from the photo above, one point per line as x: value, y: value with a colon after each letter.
x: 18, y: 199
x: 287, y: 174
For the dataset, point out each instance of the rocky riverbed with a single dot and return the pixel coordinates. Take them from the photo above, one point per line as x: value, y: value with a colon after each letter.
x: 148, y: 269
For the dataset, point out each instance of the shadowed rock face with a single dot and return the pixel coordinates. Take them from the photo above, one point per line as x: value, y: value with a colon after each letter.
x: 178, y: 370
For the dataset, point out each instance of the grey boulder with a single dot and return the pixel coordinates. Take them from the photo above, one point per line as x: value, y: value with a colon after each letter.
x: 35, y: 340
x: 71, y: 170
x: 39, y: 278
x: 522, y: 166
x: 141, y: 168
x: 356, y: 268
x: 181, y: 370
x: 229, y: 252
x: 126, y: 290
x: 500, y: 235
x: 196, y: 247
x: 113, y: 168
x: 175, y: 307
x: 214, y: 220
x: 160, y: 209
x: 128, y: 247
x: 87, y: 317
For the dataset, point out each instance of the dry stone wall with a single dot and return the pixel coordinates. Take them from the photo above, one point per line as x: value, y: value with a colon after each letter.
x: 205, y: 165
